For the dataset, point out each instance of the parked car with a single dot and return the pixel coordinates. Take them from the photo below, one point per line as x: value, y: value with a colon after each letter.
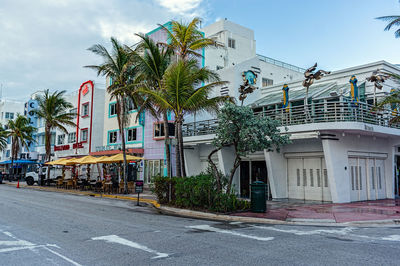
x: 35, y: 177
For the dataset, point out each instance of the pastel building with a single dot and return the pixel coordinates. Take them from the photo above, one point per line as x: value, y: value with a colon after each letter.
x: 88, y: 104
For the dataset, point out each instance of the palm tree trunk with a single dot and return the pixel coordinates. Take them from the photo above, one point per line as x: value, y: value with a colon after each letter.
x: 120, y: 113
x: 181, y: 150
x: 177, y: 152
x: 167, y: 143
x: 47, y: 137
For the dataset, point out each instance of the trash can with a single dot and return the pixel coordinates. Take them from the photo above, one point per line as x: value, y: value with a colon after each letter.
x: 258, y: 199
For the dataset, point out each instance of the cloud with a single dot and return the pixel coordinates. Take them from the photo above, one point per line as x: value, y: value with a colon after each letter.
x: 182, y: 7
x: 44, y: 43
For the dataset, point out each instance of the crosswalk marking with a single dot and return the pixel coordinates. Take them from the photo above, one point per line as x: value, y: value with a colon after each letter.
x: 206, y: 227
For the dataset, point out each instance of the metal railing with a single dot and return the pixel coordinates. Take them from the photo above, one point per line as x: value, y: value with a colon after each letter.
x: 280, y: 63
x: 341, y: 111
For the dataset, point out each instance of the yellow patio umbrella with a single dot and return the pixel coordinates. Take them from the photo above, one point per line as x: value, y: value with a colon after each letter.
x: 61, y: 161
x: 88, y: 160
x: 120, y: 158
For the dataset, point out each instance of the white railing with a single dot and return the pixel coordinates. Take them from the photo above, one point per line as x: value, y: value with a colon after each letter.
x: 280, y: 63
x: 317, y: 113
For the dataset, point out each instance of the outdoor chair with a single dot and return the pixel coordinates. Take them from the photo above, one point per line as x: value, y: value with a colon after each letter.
x: 60, y: 183
x: 131, y: 186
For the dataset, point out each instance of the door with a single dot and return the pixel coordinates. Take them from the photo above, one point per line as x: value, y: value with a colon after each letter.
x: 313, y: 188
x: 353, y: 179
x: 358, y: 183
x: 371, y: 179
x: 326, y: 192
x: 380, y: 179
x: 296, y: 178
x: 244, y: 179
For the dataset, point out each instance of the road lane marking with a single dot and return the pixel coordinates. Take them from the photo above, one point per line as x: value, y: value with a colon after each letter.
x: 341, y: 231
x: 347, y: 231
x: 123, y: 241
x: 19, y: 244
x: 62, y: 256
x: 206, y: 227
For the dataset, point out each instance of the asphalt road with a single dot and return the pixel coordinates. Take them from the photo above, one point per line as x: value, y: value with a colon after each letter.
x: 48, y: 228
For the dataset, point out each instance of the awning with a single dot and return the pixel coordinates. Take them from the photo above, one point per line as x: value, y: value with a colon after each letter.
x: 19, y: 162
x: 113, y: 152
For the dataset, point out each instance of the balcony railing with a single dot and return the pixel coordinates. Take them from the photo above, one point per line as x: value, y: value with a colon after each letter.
x: 342, y: 111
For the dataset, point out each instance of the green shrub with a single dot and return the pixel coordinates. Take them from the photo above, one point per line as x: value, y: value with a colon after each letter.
x: 196, y: 192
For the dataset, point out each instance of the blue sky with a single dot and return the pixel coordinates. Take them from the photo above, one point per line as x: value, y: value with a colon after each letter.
x: 43, y: 42
x: 336, y: 34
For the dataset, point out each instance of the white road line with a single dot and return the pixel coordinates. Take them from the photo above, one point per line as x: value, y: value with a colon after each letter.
x: 347, y: 231
x: 341, y: 231
x: 22, y: 244
x: 63, y: 257
x: 123, y: 241
x: 217, y: 230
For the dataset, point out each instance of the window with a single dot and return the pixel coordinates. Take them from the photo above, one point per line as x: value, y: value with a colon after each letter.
x: 159, y: 130
x: 60, y: 139
x: 9, y: 115
x: 113, y: 109
x: 129, y: 105
x: 231, y: 43
x: 8, y: 153
x: 131, y: 134
x: 85, y: 109
x: 84, y: 134
x: 53, y: 138
x: 72, y: 137
x: 41, y: 140
x: 152, y: 168
x: 112, y: 137
x: 267, y: 82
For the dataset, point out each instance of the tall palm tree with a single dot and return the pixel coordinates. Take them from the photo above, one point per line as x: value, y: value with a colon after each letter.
x: 183, y: 93
x: 20, y: 133
x: 186, y: 39
x: 3, y: 138
x: 152, y: 61
x: 394, y: 21
x: 119, y: 67
x: 53, y: 108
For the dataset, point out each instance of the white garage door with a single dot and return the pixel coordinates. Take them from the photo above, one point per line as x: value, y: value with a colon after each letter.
x: 308, y: 179
x: 367, y: 179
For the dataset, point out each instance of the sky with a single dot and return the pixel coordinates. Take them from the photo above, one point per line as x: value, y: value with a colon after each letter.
x: 43, y: 43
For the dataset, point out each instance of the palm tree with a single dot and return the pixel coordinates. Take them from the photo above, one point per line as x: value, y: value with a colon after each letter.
x: 183, y: 94
x: 152, y: 61
x: 186, y: 39
x: 3, y: 138
x: 119, y: 67
x: 393, y: 99
x: 53, y: 108
x: 20, y: 133
x: 394, y: 21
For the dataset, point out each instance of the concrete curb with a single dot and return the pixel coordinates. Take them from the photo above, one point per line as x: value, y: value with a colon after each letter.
x: 220, y: 217
x: 91, y: 194
x: 309, y: 222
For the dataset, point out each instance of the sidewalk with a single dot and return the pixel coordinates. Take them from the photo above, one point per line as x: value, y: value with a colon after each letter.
x: 145, y: 197
x: 366, y: 213
x: 388, y: 209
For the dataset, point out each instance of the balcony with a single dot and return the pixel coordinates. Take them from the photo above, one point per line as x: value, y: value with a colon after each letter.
x: 340, y: 111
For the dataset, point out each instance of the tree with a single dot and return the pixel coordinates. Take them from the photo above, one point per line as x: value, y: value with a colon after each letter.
x: 393, y: 100
x: 186, y: 39
x: 20, y: 133
x: 54, y: 109
x: 152, y: 62
x: 118, y: 65
x: 183, y: 94
x: 246, y: 132
x: 394, y: 21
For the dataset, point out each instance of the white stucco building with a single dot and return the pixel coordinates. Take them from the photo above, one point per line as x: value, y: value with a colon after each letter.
x: 341, y: 152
